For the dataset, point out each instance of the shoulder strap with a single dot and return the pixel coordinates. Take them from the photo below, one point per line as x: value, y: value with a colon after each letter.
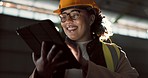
x: 111, y: 54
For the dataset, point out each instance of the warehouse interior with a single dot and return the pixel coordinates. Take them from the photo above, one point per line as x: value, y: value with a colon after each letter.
x: 129, y: 21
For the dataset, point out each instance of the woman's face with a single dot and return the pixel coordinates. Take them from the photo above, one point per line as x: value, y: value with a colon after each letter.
x: 76, y: 24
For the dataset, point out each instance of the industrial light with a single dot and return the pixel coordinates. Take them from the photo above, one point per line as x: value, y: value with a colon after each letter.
x: 1, y: 3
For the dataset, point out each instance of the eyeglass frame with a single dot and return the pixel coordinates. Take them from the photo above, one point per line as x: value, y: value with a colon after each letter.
x: 70, y: 16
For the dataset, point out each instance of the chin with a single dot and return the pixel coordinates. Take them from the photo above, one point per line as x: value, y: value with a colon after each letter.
x: 73, y: 38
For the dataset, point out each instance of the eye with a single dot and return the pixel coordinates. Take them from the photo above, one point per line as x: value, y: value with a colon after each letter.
x: 63, y: 17
x: 74, y: 15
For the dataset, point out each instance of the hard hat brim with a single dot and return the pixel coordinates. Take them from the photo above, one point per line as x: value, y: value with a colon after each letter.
x: 58, y: 11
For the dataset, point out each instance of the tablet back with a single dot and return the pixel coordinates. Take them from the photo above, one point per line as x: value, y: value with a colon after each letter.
x: 45, y: 30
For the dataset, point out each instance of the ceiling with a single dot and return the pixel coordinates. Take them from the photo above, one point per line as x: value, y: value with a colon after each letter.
x: 136, y: 8
x: 120, y: 8
x: 127, y: 13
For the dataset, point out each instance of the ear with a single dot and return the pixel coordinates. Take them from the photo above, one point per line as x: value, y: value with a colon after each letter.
x: 92, y: 19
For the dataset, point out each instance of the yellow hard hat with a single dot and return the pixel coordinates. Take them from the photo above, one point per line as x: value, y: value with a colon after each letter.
x: 70, y: 3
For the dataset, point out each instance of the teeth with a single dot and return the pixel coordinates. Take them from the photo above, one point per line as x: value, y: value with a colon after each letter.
x: 71, y: 31
x: 71, y: 28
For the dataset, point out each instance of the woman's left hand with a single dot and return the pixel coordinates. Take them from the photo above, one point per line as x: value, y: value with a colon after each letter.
x: 78, y: 55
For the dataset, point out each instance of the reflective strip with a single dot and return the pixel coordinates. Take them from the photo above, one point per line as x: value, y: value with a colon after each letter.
x: 117, y: 50
x: 114, y: 55
x: 108, y: 57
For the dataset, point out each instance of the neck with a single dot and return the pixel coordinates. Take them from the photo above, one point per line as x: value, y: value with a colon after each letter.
x: 86, y: 38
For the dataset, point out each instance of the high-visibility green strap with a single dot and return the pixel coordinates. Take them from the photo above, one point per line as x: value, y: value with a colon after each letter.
x: 114, y: 49
x: 108, y: 57
x: 117, y: 50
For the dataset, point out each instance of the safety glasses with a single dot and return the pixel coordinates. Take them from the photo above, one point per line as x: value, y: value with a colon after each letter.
x: 74, y: 15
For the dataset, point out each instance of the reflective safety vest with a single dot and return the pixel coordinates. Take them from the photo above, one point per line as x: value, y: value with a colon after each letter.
x: 112, y: 55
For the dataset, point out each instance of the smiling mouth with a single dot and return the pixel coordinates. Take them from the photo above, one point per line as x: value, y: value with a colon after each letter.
x: 72, y: 28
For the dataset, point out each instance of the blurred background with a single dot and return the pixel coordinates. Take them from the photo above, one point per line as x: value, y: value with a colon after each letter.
x: 129, y: 20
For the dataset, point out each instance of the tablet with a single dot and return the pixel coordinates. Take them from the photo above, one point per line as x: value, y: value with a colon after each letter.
x: 45, y: 30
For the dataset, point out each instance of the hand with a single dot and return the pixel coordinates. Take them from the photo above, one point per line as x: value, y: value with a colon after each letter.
x: 47, y: 63
x: 78, y: 55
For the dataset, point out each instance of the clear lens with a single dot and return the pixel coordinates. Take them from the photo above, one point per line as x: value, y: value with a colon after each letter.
x: 63, y: 17
x: 73, y: 15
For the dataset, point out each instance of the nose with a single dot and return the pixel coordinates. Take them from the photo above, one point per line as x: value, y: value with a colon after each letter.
x: 69, y: 19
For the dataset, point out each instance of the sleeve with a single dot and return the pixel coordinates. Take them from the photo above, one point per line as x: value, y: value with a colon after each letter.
x: 35, y: 74
x: 123, y: 70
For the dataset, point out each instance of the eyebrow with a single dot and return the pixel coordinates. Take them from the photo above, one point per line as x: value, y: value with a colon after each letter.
x: 71, y: 11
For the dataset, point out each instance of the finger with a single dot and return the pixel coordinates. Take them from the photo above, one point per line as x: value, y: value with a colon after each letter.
x: 72, y: 47
x: 74, y: 50
x: 43, y: 48
x: 51, y: 54
x: 34, y: 58
x: 57, y: 56
x: 61, y: 63
x: 58, y: 64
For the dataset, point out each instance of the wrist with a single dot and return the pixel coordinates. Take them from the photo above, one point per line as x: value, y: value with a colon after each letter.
x: 37, y: 74
x: 43, y: 75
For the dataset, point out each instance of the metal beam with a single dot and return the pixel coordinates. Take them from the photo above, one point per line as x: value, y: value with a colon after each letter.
x: 128, y: 9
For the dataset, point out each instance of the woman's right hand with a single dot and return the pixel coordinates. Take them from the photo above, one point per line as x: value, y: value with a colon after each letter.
x: 47, y: 63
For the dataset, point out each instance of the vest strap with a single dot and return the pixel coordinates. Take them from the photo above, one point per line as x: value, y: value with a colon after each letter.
x: 108, y: 58
x: 111, y: 54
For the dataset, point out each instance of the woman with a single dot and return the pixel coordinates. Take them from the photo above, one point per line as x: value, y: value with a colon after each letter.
x: 81, y: 21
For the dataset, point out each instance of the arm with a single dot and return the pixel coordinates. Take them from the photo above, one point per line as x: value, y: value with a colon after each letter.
x: 34, y: 74
x: 123, y: 70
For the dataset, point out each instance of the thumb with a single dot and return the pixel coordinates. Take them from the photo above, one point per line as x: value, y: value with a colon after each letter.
x: 72, y: 48
x: 34, y: 57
